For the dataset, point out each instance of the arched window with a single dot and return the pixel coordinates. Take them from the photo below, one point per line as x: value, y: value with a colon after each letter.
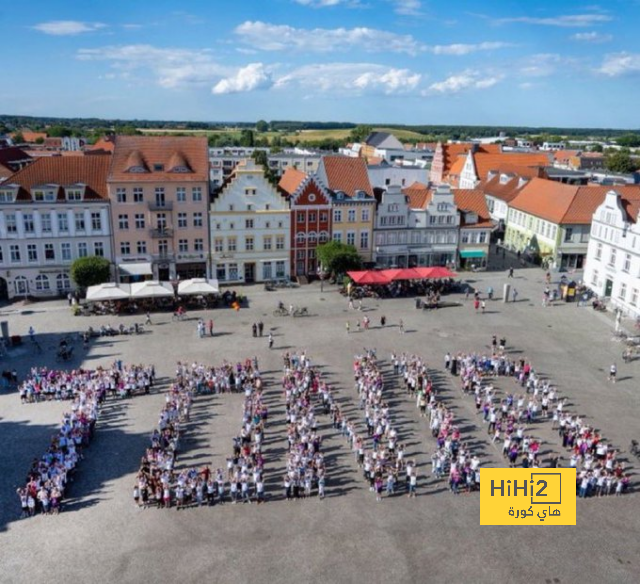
x: 324, y: 237
x: 21, y: 285
x: 300, y: 237
x: 312, y: 237
x: 63, y: 282
x: 42, y: 282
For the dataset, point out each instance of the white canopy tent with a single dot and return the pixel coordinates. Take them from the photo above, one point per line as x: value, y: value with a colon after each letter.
x: 197, y: 287
x: 151, y: 289
x: 108, y: 291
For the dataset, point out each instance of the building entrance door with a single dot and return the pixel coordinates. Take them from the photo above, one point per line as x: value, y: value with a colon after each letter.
x: 250, y: 272
x: 608, y: 287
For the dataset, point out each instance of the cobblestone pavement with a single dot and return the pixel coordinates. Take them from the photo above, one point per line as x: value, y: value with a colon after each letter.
x: 349, y: 537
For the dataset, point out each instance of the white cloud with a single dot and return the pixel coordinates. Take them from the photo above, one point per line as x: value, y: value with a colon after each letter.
x: 253, y: 76
x: 567, y: 20
x: 351, y: 79
x: 67, y: 27
x: 326, y: 3
x: 172, y: 68
x: 465, y: 49
x: 545, y: 64
x: 408, y: 7
x: 591, y: 37
x: 618, y: 64
x: 282, y: 37
x: 463, y: 81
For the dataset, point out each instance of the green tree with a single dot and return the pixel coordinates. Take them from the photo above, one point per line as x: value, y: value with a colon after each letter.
x: 18, y: 138
x: 359, y: 133
x: 629, y: 140
x: 58, y: 132
x: 338, y: 258
x: 90, y: 271
x: 620, y: 161
x: 247, y: 138
x: 262, y: 126
x: 596, y: 148
x: 260, y: 157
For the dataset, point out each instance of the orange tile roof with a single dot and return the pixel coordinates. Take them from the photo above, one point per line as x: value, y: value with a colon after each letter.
x: 30, y: 136
x: 473, y: 200
x: 559, y: 155
x: 419, y: 195
x: 65, y: 171
x: 149, y: 151
x: 346, y: 174
x: 486, y: 162
x: 504, y: 191
x: 291, y: 180
x: 569, y: 204
x: 107, y: 144
x: 452, y: 152
x: 456, y: 170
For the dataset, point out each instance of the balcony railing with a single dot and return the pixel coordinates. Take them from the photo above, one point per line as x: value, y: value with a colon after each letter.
x: 160, y: 205
x: 161, y: 233
x: 162, y: 257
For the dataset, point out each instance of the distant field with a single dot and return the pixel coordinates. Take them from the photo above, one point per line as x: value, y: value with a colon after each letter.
x: 301, y: 136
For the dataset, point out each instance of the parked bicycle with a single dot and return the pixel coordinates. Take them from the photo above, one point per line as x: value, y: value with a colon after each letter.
x: 280, y: 312
x: 303, y: 311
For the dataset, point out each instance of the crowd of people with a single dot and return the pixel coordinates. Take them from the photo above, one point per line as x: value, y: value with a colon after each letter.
x: 384, y: 463
x: 305, y: 466
x: 49, y: 475
x: 160, y: 483
x: 452, y: 457
x: 44, y: 384
x: 509, y: 416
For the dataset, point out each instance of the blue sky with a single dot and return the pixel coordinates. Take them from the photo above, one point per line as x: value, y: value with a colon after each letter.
x: 404, y: 61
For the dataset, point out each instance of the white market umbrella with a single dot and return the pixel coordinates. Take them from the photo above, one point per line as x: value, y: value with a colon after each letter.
x: 108, y: 291
x: 151, y: 289
x: 197, y: 287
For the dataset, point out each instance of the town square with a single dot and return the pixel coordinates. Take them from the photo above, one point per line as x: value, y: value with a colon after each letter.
x: 348, y: 535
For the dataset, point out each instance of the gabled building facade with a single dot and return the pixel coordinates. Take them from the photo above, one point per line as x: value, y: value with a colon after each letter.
x: 613, y: 258
x: 311, y: 221
x: 475, y: 227
x: 250, y: 229
x: 159, y: 192
x: 51, y: 212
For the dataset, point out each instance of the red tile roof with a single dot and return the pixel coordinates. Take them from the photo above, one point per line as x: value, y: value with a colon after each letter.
x: 64, y: 171
x: 453, y: 151
x: 473, y: 200
x: 570, y: 204
x: 155, y: 154
x: 515, y: 160
x: 419, y: 195
x: 107, y: 143
x: 504, y: 191
x: 30, y: 136
x: 291, y: 180
x: 346, y: 174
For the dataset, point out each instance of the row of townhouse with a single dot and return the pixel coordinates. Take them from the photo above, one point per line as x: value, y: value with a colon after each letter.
x: 146, y: 208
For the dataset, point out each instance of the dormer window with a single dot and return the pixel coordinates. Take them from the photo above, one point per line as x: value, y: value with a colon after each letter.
x: 504, y: 179
x: 8, y: 195
x: 157, y: 167
x: 74, y: 193
x: 44, y: 194
x: 137, y: 169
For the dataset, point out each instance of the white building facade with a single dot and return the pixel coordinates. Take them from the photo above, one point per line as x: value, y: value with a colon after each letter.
x: 39, y: 239
x: 250, y: 229
x: 613, y: 258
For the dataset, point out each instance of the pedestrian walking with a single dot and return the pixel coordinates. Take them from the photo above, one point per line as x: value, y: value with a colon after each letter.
x: 476, y: 304
x: 271, y: 340
x: 483, y: 305
x: 383, y: 320
x: 148, y: 319
x: 210, y: 327
x: 260, y: 328
x: 350, y: 303
x: 613, y: 370
x: 514, y: 294
x: 490, y: 293
x: 510, y: 273
x: 254, y: 329
x: 360, y: 304
x: 401, y: 325
x: 466, y: 296
x: 347, y: 327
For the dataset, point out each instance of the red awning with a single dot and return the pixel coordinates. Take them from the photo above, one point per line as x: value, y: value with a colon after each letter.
x: 440, y: 272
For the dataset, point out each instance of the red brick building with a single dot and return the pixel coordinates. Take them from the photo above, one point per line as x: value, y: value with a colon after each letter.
x: 310, y: 205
